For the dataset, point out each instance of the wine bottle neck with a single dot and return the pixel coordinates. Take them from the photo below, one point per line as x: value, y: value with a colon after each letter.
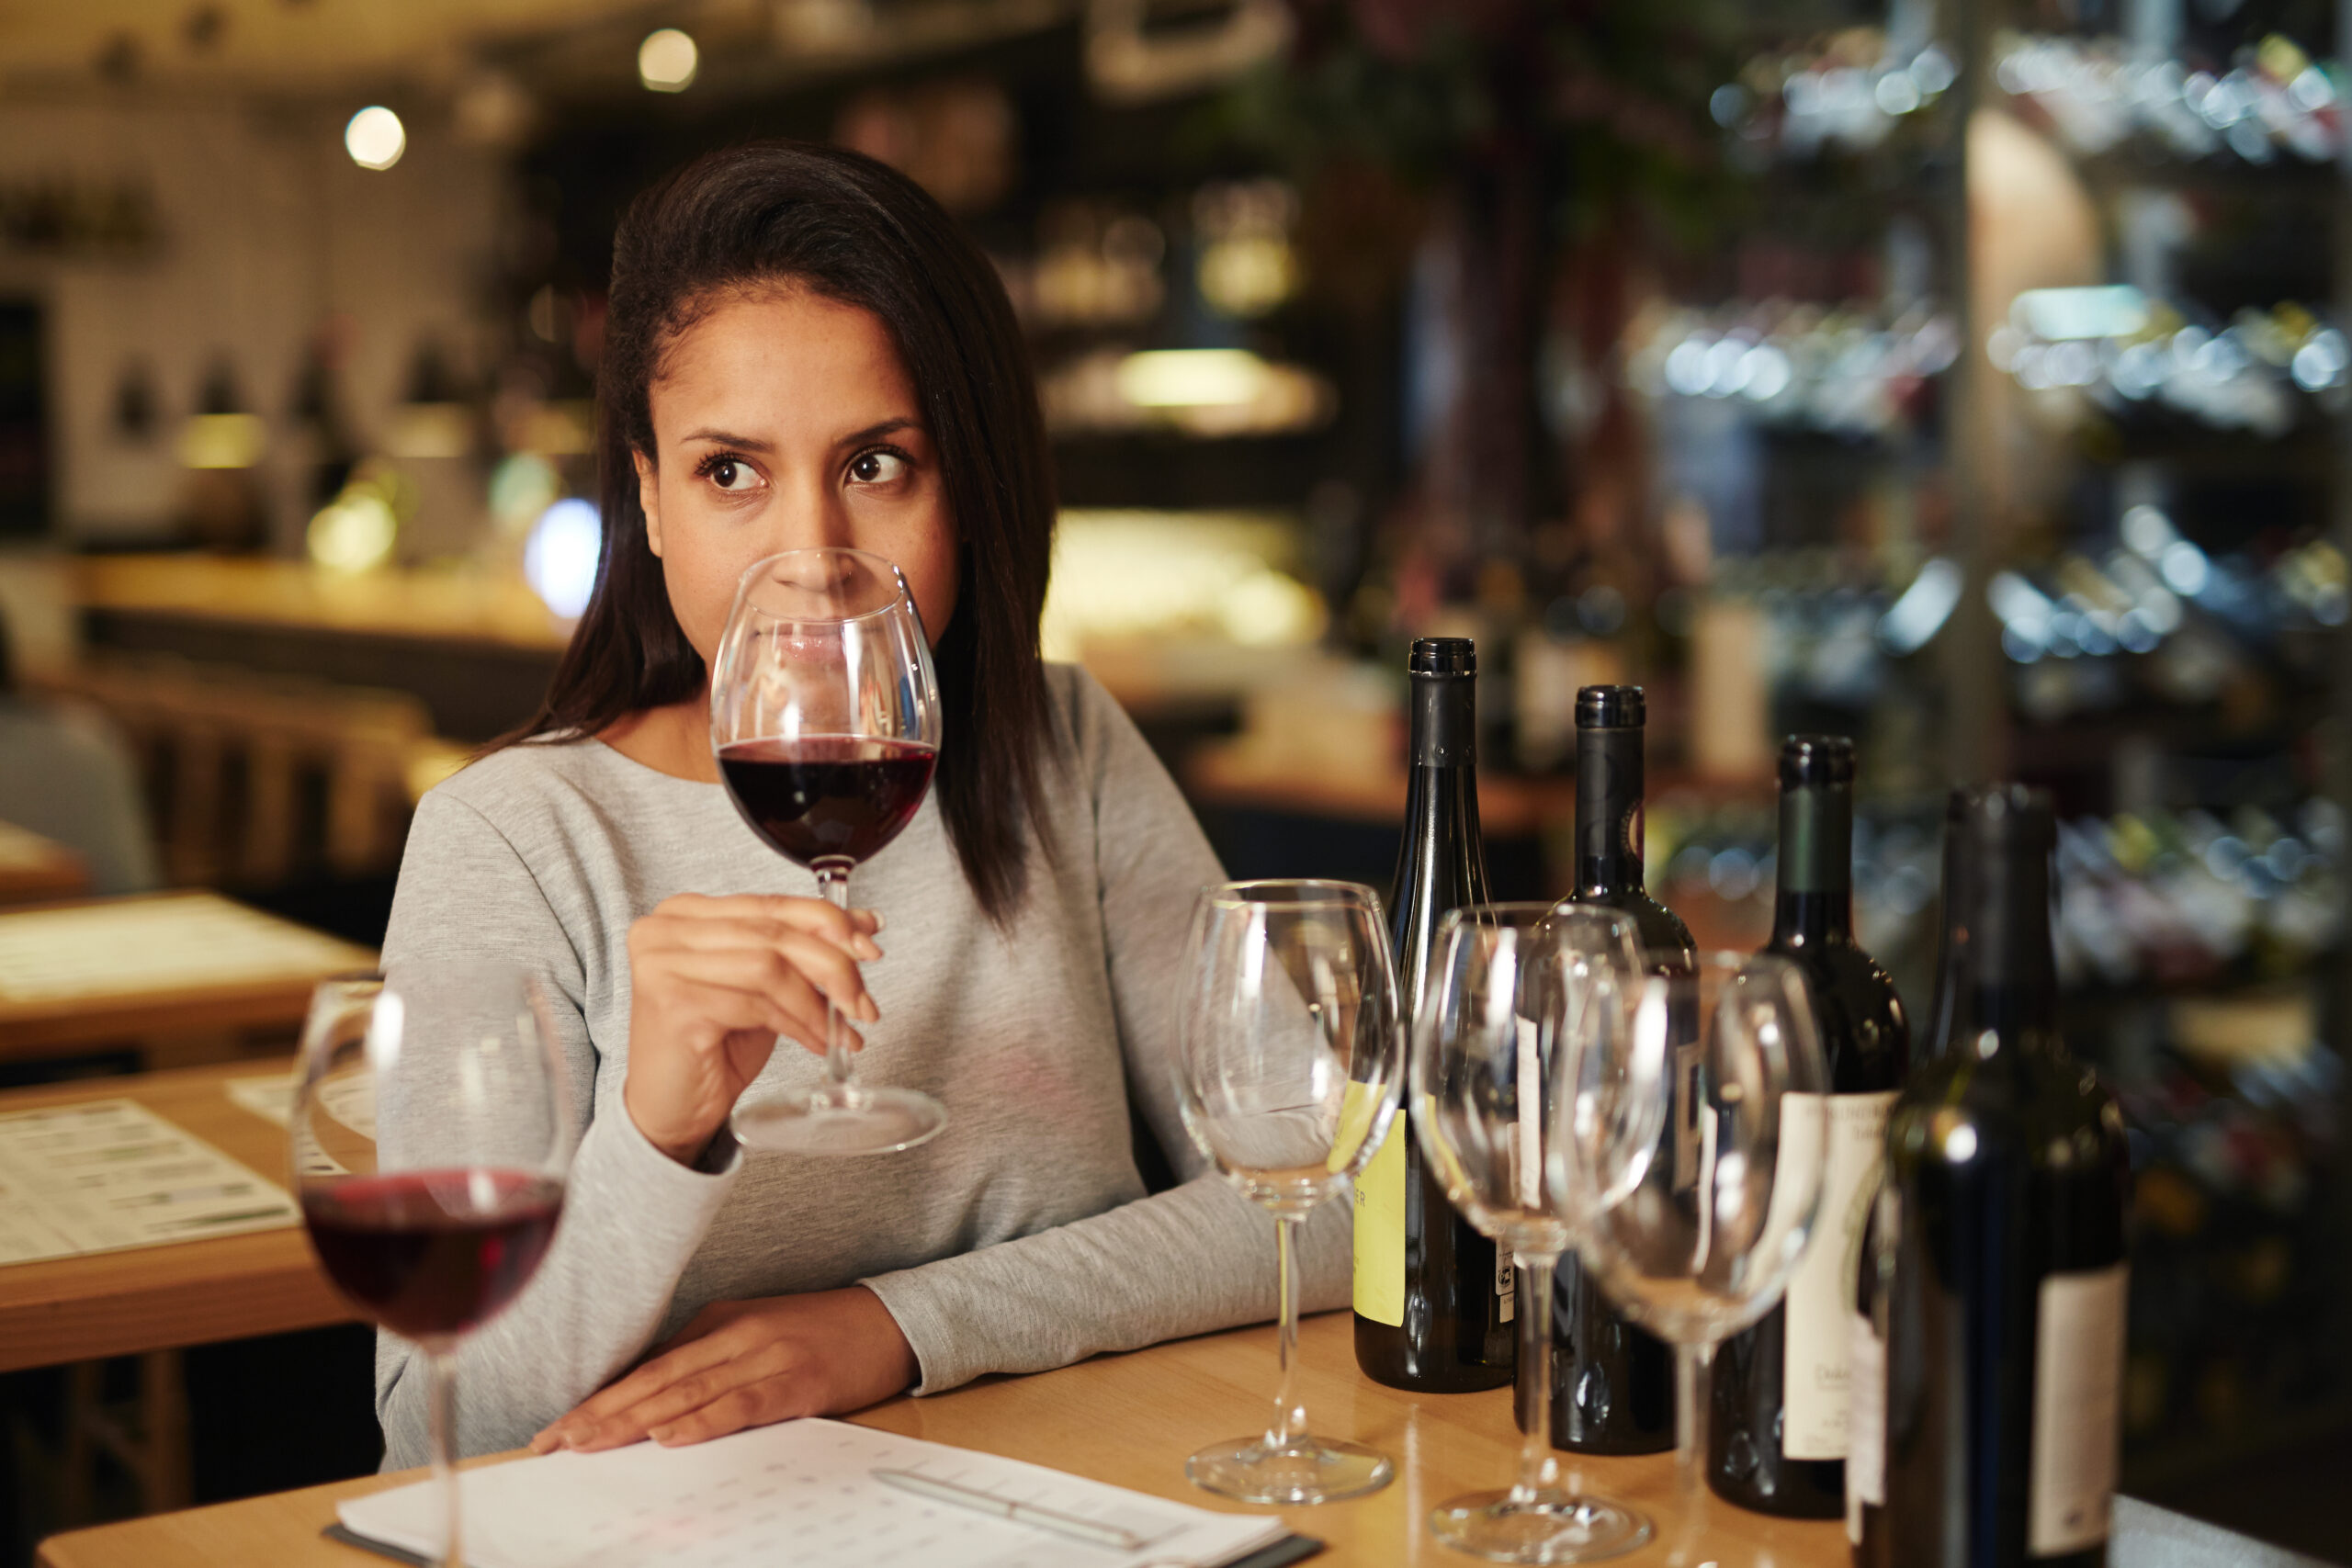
x: 1815, y: 898
x: 2001, y: 973
x: 1440, y: 860
x: 1445, y: 722
x: 1609, y: 809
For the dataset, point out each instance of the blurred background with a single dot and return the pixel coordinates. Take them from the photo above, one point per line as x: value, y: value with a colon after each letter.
x: 1970, y: 379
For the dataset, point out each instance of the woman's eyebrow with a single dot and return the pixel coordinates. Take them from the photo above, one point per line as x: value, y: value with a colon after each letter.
x: 872, y: 432
x: 722, y: 438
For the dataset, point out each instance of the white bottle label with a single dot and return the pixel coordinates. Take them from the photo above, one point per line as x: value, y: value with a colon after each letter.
x: 1866, y: 1428
x: 2077, y: 1410
x: 1821, y: 1292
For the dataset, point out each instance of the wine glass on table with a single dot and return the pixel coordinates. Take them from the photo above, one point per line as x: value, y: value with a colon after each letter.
x: 431, y: 1135
x: 824, y: 713
x: 1287, y: 1070
x: 1517, y: 996
x: 1719, y: 1202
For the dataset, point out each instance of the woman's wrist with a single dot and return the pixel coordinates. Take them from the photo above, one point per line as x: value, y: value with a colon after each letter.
x: 684, y: 1144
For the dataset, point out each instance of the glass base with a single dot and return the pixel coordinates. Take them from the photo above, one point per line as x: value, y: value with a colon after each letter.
x: 1313, y: 1469
x: 851, y: 1121
x: 1551, y: 1527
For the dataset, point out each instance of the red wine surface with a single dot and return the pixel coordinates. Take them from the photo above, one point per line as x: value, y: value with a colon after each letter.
x: 828, y: 796
x: 431, y: 1253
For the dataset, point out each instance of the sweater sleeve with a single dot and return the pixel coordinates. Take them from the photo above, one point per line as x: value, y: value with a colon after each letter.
x: 632, y: 1217
x: 1197, y: 1257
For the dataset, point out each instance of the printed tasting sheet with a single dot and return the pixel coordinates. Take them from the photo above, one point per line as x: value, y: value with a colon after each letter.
x: 110, y: 1173
x: 796, y: 1495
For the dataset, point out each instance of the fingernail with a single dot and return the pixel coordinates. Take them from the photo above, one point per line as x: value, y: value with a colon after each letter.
x: 869, y: 1012
x: 878, y: 922
x: 869, y: 948
x: 662, y: 1434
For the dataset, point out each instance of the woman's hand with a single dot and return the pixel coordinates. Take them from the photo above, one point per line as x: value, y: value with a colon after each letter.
x: 742, y: 1364
x: 712, y: 983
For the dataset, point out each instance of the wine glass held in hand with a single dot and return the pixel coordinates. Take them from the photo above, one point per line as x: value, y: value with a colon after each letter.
x: 1289, y: 1062
x: 431, y: 1134
x: 1719, y: 1201
x: 1512, y: 989
x: 825, y: 717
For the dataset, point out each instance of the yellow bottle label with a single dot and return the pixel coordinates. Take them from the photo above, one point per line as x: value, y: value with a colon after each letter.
x: 1380, y: 1221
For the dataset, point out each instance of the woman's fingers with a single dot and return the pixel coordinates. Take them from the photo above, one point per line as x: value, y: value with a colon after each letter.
x: 851, y: 930
x: 763, y: 956
x: 612, y: 1416
x: 774, y: 980
x: 744, y: 1407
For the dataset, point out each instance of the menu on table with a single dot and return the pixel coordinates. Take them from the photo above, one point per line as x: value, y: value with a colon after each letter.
x: 800, y: 1492
x: 107, y: 1174
x: 137, y: 945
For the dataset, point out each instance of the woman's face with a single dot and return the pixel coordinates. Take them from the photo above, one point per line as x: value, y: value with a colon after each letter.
x: 783, y: 420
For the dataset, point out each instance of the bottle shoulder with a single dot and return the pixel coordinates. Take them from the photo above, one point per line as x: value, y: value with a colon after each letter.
x: 2041, y: 1103
x: 1861, y: 1014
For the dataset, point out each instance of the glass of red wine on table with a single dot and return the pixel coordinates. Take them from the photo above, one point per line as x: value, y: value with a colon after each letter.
x: 825, y: 717
x: 431, y: 1135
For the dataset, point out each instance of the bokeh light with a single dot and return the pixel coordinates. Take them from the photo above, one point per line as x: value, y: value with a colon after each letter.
x: 375, y: 137
x: 560, y: 560
x: 667, y: 59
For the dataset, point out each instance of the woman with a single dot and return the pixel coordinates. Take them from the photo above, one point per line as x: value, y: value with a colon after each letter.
x: 802, y: 350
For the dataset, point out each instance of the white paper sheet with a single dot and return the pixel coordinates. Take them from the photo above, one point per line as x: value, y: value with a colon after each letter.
x: 800, y: 1492
x: 156, y: 944
x: 110, y: 1173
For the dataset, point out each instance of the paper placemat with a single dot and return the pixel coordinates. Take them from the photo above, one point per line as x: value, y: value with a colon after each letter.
x: 156, y: 944
x: 799, y: 1493
x: 108, y: 1174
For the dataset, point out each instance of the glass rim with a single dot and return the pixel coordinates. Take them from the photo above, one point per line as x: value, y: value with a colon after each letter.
x: 1236, y: 895
x: 906, y: 596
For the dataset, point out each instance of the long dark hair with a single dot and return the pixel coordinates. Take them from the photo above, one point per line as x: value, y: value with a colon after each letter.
x: 856, y: 232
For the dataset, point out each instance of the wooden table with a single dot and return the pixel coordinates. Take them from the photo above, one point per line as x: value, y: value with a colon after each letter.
x: 162, y: 1298
x: 148, y: 968
x: 1131, y: 1419
x: 32, y: 867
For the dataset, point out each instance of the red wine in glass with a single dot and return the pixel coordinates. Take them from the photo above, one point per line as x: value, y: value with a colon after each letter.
x: 431, y: 1254
x: 826, y: 797
x: 825, y: 726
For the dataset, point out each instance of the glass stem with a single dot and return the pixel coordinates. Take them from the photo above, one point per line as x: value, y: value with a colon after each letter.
x: 1290, y: 1416
x: 833, y: 881
x: 1691, y: 1366
x: 441, y: 1428
x: 1539, y: 1468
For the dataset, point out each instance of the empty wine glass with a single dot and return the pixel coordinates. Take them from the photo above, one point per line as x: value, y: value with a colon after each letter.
x: 1720, y: 1197
x: 824, y: 713
x: 1287, y: 1068
x: 431, y: 1135
x: 1511, y: 986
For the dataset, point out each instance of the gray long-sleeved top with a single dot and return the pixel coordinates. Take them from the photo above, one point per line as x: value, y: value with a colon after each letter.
x: 1019, y: 1239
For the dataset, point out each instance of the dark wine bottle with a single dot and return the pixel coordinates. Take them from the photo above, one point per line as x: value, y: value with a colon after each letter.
x: 1874, y: 1279
x: 1434, y: 1302
x: 1777, y: 1443
x: 2007, y: 1161
x: 1613, y: 1384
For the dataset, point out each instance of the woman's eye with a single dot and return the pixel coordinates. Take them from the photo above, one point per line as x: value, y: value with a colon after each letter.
x: 876, y: 468
x: 728, y: 473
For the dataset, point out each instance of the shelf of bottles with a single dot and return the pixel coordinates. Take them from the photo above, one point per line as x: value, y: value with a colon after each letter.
x: 2176, y: 632
x: 2167, y: 610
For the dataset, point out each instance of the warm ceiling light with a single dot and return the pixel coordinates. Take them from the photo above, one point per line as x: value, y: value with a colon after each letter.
x: 666, y: 61
x: 375, y: 137
x: 1191, y: 378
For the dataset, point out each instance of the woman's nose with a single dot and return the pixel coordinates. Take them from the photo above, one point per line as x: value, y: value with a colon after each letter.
x: 807, y: 515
